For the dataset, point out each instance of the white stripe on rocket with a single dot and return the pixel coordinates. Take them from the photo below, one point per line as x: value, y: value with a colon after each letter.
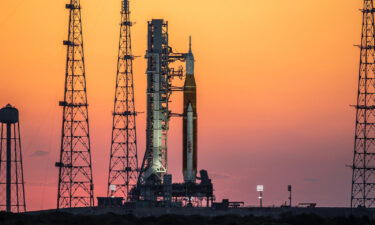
x: 190, y: 176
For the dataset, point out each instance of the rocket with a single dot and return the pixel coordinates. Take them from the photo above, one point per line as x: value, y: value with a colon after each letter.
x: 190, y: 121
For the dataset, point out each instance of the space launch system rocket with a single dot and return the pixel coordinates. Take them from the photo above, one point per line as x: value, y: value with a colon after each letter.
x: 190, y: 121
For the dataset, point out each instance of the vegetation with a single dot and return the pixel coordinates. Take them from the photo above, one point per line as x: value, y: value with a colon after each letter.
x: 112, y: 219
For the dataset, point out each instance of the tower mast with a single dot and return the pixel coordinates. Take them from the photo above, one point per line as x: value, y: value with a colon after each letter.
x: 75, y: 185
x: 123, y: 167
x: 363, y: 180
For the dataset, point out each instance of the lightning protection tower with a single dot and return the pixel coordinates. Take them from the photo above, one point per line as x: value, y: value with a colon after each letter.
x: 12, y: 191
x: 363, y: 180
x: 123, y: 167
x: 75, y: 184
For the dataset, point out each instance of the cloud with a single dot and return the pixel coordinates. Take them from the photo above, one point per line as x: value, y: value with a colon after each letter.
x: 41, y: 184
x: 39, y: 154
x: 311, y: 180
x: 218, y: 176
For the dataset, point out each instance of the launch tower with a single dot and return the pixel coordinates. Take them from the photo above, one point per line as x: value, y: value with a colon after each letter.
x: 155, y: 185
x: 363, y: 180
x: 75, y: 184
x: 154, y: 164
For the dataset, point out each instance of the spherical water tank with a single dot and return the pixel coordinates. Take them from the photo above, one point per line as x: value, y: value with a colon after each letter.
x: 8, y: 114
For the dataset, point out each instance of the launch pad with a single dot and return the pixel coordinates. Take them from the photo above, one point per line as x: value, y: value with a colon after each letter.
x: 168, y: 194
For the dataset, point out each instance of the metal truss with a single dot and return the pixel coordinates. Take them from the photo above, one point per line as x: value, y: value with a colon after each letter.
x: 363, y: 180
x: 123, y: 167
x: 75, y: 184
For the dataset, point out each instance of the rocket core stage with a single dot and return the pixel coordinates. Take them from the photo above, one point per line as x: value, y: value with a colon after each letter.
x: 190, y: 121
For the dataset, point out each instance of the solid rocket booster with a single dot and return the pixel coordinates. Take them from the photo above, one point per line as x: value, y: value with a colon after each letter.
x: 190, y: 121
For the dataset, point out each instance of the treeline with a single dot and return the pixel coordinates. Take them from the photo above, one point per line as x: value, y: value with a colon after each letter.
x: 112, y: 219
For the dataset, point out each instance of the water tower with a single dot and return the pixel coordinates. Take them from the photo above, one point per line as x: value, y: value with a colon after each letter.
x: 12, y: 191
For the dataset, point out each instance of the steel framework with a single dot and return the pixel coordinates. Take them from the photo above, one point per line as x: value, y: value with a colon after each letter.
x: 123, y: 167
x: 363, y: 180
x: 160, y: 74
x: 75, y: 184
x: 12, y: 190
x: 154, y: 164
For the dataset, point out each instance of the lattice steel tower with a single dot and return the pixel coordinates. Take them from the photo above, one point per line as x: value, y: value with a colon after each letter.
x: 123, y: 167
x: 75, y: 188
x: 12, y: 190
x: 363, y: 180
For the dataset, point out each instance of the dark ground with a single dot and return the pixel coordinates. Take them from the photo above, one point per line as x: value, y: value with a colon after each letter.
x: 112, y: 219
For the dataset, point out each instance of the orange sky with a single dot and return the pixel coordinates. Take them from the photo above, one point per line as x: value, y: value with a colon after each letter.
x: 275, y: 80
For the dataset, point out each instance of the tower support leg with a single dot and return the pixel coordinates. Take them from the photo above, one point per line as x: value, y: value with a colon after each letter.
x: 9, y: 168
